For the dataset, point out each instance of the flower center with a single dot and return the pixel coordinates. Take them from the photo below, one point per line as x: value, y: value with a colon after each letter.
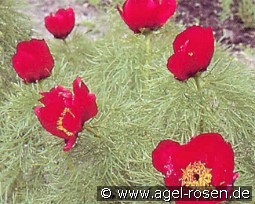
x: 60, y: 122
x: 196, y: 174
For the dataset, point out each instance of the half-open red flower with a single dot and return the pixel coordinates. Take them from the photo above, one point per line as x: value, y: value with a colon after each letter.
x: 205, y: 161
x: 61, y: 23
x: 193, y: 51
x: 33, y: 60
x: 146, y: 14
x: 64, y: 112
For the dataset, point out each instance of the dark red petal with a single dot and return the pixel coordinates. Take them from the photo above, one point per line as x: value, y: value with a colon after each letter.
x: 63, y: 114
x: 182, y: 66
x: 79, y: 88
x: 149, y: 14
x: 218, y: 155
x: 52, y: 113
x: 57, y: 93
x: 210, y: 148
x: 84, y: 102
x: 69, y: 143
x: 190, y: 35
x: 60, y: 24
x: 139, y: 14
x: 90, y: 108
x: 39, y: 50
x: 162, y: 155
x: 172, y: 180
x: 72, y: 122
x: 48, y: 117
x: 25, y: 69
x: 199, y: 41
x: 33, y: 60
x: 58, y: 107
x: 50, y: 123
x: 166, y: 9
x: 205, y: 50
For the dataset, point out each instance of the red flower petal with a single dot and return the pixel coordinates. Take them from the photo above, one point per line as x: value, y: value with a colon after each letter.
x: 33, y: 60
x: 69, y: 143
x: 171, y: 159
x: 214, y: 147
x: 166, y: 9
x: 57, y: 93
x: 182, y: 66
x: 63, y: 113
x: 85, y: 101
x: 162, y: 160
x: 150, y: 14
x: 61, y: 24
x: 48, y: 117
x: 199, y: 41
x: 56, y: 111
x: 193, y: 51
x: 161, y: 156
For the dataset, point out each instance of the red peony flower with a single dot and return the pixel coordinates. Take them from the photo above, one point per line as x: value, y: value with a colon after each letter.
x: 33, y: 60
x: 205, y: 161
x: 146, y: 14
x: 193, y: 51
x: 64, y: 113
x: 61, y: 23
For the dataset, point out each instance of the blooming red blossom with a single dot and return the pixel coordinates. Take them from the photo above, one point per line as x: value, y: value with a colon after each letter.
x: 33, y: 60
x: 64, y: 112
x: 61, y: 23
x: 193, y: 51
x: 206, y: 160
x: 146, y: 14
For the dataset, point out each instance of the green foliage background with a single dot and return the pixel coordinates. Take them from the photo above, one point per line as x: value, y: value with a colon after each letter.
x: 13, y: 28
x: 140, y: 104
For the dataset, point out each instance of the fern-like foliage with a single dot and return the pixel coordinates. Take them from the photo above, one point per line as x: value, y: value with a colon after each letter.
x: 14, y: 27
x: 140, y: 104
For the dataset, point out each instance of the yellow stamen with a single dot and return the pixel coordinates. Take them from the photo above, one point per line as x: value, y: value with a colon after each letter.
x: 196, y: 174
x: 60, y: 122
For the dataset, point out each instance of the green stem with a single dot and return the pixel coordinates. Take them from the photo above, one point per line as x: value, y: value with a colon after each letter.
x: 39, y: 87
x: 198, y: 86
x: 64, y: 40
x: 91, y: 130
x: 148, y: 48
x: 147, y: 56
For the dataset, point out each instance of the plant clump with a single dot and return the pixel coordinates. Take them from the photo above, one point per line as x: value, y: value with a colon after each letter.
x: 140, y: 103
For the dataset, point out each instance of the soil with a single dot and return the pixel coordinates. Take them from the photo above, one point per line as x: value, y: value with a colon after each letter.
x: 207, y: 12
x: 37, y: 10
x: 230, y: 31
